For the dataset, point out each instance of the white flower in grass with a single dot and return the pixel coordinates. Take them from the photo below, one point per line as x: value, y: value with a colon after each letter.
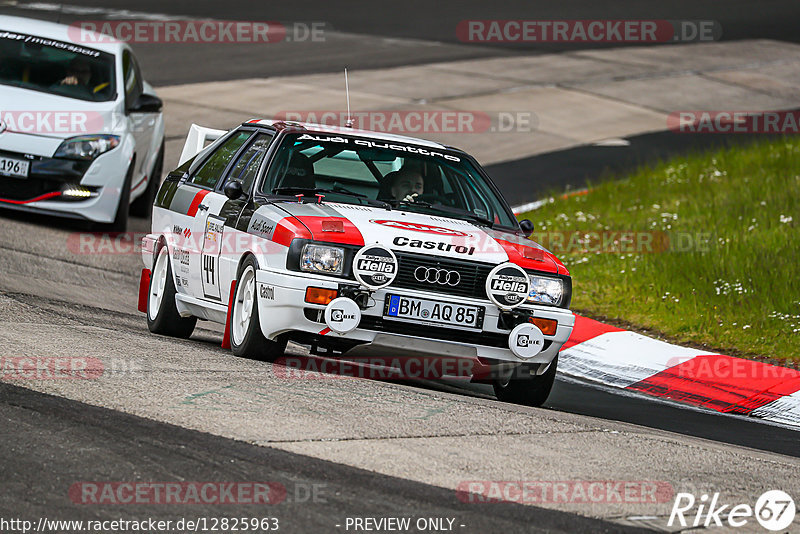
x: 786, y: 219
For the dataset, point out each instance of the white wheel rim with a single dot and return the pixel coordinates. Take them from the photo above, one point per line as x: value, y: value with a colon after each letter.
x: 243, y: 305
x: 157, y: 284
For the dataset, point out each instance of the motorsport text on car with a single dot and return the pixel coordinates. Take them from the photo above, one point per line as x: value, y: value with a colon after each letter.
x: 81, y: 133
x: 294, y: 231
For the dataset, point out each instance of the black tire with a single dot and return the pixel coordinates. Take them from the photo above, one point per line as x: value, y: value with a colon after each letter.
x: 143, y: 206
x: 165, y: 319
x: 251, y: 341
x: 527, y: 390
x: 120, y: 223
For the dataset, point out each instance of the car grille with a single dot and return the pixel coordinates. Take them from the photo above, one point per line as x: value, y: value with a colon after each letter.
x: 25, y: 189
x: 471, y: 276
x: 46, y: 175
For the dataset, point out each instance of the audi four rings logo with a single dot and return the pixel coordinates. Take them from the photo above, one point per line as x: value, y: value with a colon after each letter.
x: 437, y: 276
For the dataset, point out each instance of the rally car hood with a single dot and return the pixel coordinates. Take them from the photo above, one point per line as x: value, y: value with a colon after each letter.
x: 405, y: 231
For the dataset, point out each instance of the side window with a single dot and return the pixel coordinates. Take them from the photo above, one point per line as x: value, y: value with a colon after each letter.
x: 211, y: 171
x: 132, y: 78
x: 247, y: 165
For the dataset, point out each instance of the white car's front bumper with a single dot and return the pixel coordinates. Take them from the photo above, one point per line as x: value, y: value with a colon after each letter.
x: 286, y: 311
x: 106, y: 174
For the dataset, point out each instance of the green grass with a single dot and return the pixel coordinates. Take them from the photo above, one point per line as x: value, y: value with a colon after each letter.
x: 729, y: 226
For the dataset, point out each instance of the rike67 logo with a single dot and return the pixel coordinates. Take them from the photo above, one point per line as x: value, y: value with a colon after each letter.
x: 774, y: 510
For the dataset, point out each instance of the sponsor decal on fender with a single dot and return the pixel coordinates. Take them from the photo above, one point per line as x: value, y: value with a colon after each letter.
x: 267, y: 292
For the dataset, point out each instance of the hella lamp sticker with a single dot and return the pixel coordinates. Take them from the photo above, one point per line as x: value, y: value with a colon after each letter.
x: 508, y: 285
x: 375, y: 266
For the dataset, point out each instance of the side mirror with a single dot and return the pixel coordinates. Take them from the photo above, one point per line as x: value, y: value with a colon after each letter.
x: 146, y: 104
x: 233, y: 190
x: 526, y: 226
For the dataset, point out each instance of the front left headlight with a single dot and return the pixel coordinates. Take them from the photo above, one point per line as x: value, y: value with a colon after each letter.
x: 546, y: 290
x: 322, y: 259
x: 86, y: 147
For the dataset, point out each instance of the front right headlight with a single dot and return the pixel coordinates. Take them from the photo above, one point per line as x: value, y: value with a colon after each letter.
x: 545, y: 290
x: 322, y: 259
x: 86, y: 147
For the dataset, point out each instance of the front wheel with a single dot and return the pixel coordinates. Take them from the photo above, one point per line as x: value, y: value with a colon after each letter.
x: 162, y: 312
x: 530, y: 390
x: 245, y: 330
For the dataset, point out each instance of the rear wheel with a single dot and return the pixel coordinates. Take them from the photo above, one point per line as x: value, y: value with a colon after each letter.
x: 162, y: 312
x: 245, y: 329
x: 530, y: 390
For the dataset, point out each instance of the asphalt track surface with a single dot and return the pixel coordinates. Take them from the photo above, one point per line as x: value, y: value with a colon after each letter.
x: 70, y: 440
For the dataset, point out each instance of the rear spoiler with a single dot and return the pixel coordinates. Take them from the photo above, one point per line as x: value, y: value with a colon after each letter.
x: 197, y: 139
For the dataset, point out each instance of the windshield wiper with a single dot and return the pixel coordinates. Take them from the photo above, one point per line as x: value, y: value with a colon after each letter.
x: 310, y: 191
x: 445, y: 209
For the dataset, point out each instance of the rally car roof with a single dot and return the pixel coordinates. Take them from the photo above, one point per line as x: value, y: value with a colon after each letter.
x: 324, y: 128
x: 59, y: 32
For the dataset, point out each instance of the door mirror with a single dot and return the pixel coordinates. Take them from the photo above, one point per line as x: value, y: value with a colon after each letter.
x: 526, y: 226
x: 233, y: 190
x: 146, y: 104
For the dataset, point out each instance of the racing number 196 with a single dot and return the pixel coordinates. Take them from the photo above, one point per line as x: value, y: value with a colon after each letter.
x: 208, y: 267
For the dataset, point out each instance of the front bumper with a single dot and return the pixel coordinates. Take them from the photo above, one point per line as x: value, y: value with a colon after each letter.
x: 287, y: 312
x: 41, y: 191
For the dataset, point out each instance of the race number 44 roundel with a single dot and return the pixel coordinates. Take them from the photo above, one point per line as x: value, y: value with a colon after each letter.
x: 508, y: 285
x: 375, y: 266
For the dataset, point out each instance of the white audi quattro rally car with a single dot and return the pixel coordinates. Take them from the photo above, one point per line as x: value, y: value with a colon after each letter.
x: 356, y: 244
x: 81, y: 132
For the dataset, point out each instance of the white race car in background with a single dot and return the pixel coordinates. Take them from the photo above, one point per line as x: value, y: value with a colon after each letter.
x: 81, y: 133
x: 355, y: 244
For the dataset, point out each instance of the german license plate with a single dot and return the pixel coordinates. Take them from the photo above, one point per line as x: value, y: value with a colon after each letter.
x: 433, y: 312
x: 15, y: 168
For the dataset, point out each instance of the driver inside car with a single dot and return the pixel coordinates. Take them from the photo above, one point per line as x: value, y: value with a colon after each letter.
x: 79, y: 73
x: 406, y: 184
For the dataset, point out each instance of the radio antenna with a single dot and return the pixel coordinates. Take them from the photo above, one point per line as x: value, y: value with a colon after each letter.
x: 349, y: 123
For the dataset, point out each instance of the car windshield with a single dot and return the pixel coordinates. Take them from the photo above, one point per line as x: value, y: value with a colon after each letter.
x: 55, y: 67
x: 356, y: 170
